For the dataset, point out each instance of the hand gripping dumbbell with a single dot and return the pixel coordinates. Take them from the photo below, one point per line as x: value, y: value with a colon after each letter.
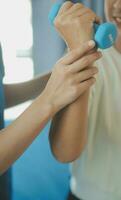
x: 104, y: 34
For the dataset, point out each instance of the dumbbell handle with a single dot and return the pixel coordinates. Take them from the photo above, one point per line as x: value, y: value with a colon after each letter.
x: 105, y: 34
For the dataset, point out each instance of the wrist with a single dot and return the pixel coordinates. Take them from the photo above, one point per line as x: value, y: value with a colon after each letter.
x: 80, y: 39
x: 47, y: 105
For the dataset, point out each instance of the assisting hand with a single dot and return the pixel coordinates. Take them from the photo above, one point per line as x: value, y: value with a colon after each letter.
x: 70, y: 77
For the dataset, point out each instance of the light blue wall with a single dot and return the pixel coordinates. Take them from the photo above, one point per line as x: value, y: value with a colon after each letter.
x: 48, y: 46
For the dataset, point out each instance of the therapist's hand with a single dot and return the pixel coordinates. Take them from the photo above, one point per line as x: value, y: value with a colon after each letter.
x: 75, y: 23
x: 71, y: 77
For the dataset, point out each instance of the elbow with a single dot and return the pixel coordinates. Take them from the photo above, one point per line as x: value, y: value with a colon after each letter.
x: 66, y: 156
x: 66, y: 160
x: 67, y: 150
x: 60, y: 158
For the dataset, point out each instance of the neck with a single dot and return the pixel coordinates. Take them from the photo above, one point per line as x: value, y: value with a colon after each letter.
x: 118, y: 43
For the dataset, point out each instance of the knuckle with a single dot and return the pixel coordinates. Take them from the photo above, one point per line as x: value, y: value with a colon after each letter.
x: 92, y: 71
x: 62, y: 21
x: 57, y: 21
x: 95, y: 69
x: 85, y: 47
x: 77, y: 5
x: 96, y: 55
x: 91, y: 80
x: 67, y: 3
x: 87, y: 73
x: 87, y: 83
x: 92, y: 57
x: 91, y: 16
x: 90, y: 12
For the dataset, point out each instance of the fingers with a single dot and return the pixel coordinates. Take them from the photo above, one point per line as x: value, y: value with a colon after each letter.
x: 65, y: 7
x: 86, y: 74
x: 85, y: 62
x: 91, y: 17
x: 79, y: 9
x: 79, y: 12
x: 84, y: 86
x: 76, y: 54
x: 74, y: 8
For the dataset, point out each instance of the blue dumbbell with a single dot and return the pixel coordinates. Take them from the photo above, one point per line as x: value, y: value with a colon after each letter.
x: 105, y: 34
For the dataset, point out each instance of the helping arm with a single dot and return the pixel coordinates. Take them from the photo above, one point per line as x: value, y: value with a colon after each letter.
x: 21, y: 92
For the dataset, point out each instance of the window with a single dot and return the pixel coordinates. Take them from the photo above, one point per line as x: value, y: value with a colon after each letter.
x: 17, y: 41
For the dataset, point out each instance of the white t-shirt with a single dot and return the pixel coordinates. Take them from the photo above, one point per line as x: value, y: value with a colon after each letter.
x: 96, y: 175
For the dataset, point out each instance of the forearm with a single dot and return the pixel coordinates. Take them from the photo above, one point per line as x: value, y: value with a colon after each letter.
x: 68, y: 132
x: 21, y: 92
x: 19, y: 135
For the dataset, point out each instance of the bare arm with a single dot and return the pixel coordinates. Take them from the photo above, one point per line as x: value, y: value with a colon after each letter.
x: 19, y: 135
x: 68, y: 133
x: 21, y: 92
x: 66, y: 79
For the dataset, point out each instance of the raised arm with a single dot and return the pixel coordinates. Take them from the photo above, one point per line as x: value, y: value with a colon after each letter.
x: 68, y: 133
